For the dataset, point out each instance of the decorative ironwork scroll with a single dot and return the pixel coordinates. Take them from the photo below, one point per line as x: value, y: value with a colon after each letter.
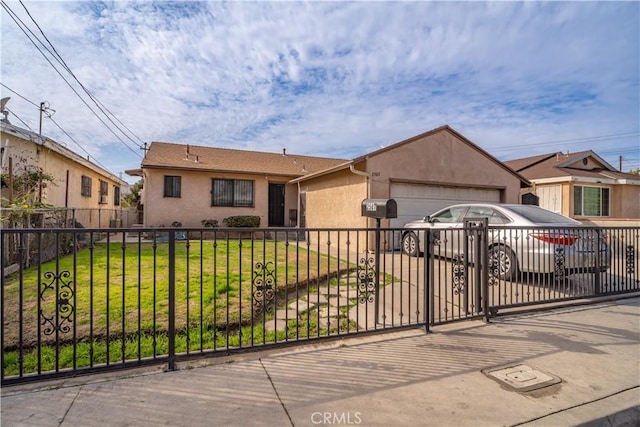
x: 62, y: 318
x: 631, y: 259
x: 459, y: 274
x: 366, y: 280
x: 559, y: 266
x: 264, y: 283
x: 494, y: 268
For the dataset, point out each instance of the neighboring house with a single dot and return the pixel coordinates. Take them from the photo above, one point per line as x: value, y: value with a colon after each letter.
x: 582, y: 186
x: 190, y: 184
x: 90, y: 192
x: 422, y: 174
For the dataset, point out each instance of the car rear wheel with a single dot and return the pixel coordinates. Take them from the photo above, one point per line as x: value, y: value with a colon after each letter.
x: 410, y: 244
x: 502, y: 263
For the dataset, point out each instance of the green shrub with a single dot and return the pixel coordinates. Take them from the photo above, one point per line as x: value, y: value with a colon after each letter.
x: 247, y: 221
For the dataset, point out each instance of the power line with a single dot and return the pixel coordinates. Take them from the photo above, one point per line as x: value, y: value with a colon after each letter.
x: 569, y: 141
x: 99, y: 104
x: 54, y: 122
x: 13, y: 91
x: 16, y: 116
x: 16, y: 19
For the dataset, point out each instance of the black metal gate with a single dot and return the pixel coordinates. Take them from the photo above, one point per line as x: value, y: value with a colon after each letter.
x: 81, y: 300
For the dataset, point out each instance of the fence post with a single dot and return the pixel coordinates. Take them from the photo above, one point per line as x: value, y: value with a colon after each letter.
x: 597, y: 248
x: 172, y: 301
x: 427, y: 280
x: 484, y: 261
x: 377, y: 272
x: 478, y: 228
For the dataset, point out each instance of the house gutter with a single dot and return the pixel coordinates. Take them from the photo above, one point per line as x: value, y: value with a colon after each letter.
x: 365, y: 174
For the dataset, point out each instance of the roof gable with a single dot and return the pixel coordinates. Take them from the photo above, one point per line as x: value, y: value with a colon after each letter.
x: 459, y: 136
x: 584, y: 160
x: 584, y: 164
x: 165, y: 155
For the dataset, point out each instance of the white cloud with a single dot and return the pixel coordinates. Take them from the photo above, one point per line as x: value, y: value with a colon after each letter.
x: 335, y: 78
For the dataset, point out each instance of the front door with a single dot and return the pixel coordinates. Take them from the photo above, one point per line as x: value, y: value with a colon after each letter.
x: 276, y: 205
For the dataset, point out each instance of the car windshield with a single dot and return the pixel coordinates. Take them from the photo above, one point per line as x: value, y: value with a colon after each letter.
x: 541, y: 216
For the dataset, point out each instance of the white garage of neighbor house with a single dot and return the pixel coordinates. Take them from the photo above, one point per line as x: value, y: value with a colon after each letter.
x: 423, y: 174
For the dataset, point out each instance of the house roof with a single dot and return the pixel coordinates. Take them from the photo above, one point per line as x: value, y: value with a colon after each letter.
x: 445, y: 128
x: 58, y: 148
x: 163, y: 155
x: 567, y: 165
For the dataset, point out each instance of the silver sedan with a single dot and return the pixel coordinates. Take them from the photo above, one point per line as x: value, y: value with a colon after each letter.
x: 521, y: 238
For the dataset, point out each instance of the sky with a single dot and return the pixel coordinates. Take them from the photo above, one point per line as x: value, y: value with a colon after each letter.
x: 330, y: 79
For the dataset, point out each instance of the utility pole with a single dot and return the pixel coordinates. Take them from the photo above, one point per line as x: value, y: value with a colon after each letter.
x: 42, y: 107
x: 620, y: 159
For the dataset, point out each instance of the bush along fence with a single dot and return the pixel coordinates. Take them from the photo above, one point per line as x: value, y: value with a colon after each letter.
x: 81, y: 300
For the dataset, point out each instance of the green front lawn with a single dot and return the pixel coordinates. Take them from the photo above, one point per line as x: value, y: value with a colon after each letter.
x: 121, y: 292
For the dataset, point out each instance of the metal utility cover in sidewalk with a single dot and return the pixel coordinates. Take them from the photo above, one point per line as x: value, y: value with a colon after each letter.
x: 521, y: 377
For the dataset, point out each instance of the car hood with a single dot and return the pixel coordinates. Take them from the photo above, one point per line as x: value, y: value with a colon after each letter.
x: 416, y: 224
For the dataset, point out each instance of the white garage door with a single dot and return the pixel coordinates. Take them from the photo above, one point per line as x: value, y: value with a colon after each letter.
x: 415, y: 201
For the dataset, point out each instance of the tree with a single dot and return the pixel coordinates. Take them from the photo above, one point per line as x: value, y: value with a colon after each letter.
x: 25, y: 194
x: 133, y: 197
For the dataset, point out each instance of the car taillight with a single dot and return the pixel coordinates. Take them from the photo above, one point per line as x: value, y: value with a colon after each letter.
x: 556, y: 238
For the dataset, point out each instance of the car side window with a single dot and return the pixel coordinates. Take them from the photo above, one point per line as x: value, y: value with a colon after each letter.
x: 498, y: 218
x: 494, y: 216
x: 449, y: 215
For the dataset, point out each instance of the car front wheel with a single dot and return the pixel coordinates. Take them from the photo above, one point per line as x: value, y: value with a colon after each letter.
x: 410, y: 244
x: 502, y: 263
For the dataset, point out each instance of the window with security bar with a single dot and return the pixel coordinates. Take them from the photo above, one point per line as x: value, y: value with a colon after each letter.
x: 232, y: 192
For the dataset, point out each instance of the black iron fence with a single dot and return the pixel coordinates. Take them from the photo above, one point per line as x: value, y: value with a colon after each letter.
x: 82, y: 300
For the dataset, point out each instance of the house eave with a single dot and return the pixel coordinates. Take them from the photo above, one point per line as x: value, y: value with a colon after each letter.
x: 341, y: 166
x: 569, y: 179
x: 213, y: 170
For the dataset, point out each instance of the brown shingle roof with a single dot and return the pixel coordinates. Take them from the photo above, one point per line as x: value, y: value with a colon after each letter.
x: 521, y: 164
x: 192, y: 157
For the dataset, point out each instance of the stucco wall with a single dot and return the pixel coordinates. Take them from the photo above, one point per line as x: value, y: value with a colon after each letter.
x: 440, y: 158
x: 64, y: 191
x: 334, y: 201
x: 567, y: 200
x: 625, y: 201
x: 194, y: 205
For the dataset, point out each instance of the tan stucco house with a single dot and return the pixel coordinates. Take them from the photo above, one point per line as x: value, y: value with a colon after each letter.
x: 582, y: 186
x: 422, y: 174
x: 190, y: 184
x: 78, y: 184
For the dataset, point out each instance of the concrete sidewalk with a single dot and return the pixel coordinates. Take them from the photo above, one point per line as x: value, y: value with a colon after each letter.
x: 405, y: 378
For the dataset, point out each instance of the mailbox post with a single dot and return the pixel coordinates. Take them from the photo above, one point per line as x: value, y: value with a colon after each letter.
x: 378, y: 209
